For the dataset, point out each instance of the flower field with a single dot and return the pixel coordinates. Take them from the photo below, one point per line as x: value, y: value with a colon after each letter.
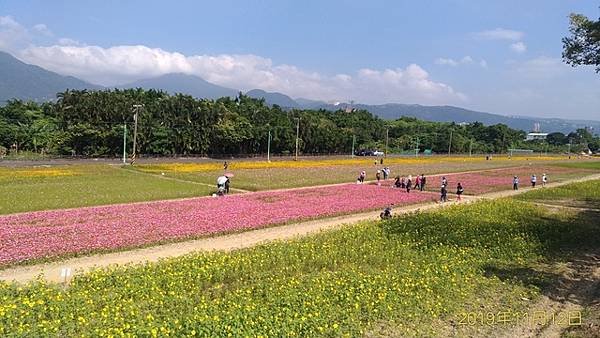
x: 409, y: 276
x: 261, y: 175
x: 327, y: 162
x: 501, y: 179
x: 35, y: 172
x: 48, y: 234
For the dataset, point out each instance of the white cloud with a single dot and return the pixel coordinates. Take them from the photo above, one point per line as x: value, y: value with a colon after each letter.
x: 518, y: 47
x: 500, y: 34
x: 12, y: 34
x: 42, y: 29
x: 411, y: 84
x: 68, y: 42
x: 542, y: 67
x: 446, y: 62
x: 121, y: 64
x: 466, y: 60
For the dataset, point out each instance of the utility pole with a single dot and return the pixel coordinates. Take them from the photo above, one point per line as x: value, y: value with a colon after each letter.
x: 297, y: 136
x: 417, y: 148
x: 124, y: 143
x: 471, y: 148
x: 269, y: 147
x: 387, y: 134
x: 136, y: 108
x: 450, y: 143
x: 353, y: 140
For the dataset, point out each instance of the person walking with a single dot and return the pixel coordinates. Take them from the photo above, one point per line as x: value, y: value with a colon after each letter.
x: 459, y: 191
x: 408, y: 183
x: 225, y: 165
x: 544, y: 180
x: 378, y: 177
x: 418, y: 182
x: 423, y: 180
x: 397, y: 182
x: 516, y: 183
x: 385, y: 173
x: 443, y: 194
x: 533, y: 180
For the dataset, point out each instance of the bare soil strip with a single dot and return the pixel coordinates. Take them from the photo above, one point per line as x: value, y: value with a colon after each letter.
x: 51, y: 271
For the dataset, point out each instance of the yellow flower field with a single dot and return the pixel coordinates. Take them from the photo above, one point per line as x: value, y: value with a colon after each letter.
x: 310, y: 163
x: 35, y: 172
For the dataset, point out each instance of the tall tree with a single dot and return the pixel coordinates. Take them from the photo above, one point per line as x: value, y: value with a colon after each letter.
x: 582, y: 47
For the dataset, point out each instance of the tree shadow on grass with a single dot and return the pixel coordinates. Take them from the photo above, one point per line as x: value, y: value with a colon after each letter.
x: 571, y: 264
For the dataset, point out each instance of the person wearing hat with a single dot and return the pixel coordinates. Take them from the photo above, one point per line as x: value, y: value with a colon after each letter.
x: 516, y: 183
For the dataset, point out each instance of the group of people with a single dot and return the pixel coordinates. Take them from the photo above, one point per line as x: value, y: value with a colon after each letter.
x: 444, y: 190
x: 533, y: 181
x: 407, y: 183
x: 399, y: 182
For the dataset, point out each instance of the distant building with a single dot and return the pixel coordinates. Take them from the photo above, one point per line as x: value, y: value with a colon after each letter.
x: 536, y: 127
x: 536, y: 136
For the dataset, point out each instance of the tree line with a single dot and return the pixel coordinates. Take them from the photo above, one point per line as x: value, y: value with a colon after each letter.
x: 92, y: 123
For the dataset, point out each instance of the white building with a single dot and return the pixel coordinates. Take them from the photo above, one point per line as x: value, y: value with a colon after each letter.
x: 536, y: 136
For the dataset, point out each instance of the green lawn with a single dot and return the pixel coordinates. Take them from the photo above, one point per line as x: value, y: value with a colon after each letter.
x: 28, y: 189
x: 416, y: 275
x: 589, y: 164
x: 582, y: 194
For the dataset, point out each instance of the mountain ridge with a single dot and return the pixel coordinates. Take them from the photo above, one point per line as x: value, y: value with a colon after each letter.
x: 24, y: 81
x: 20, y: 80
x: 183, y: 83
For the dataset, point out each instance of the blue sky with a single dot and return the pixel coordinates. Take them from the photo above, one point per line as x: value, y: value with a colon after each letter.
x: 497, y: 56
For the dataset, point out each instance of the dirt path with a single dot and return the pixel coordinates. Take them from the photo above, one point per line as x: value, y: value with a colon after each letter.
x: 51, y: 271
